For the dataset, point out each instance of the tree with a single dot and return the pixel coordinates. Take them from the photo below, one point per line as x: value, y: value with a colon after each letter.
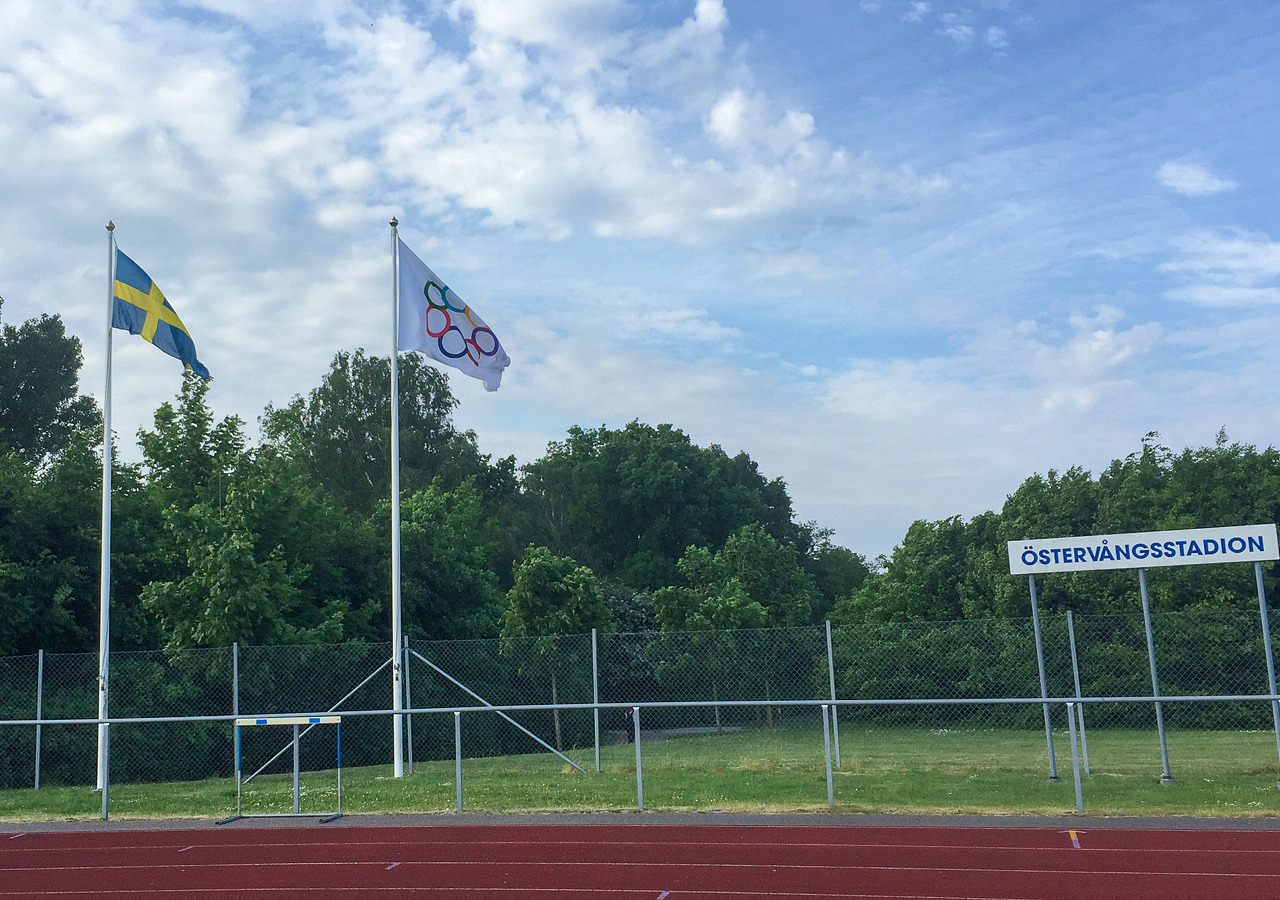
x: 920, y: 580
x: 233, y: 593
x: 253, y: 553
x: 752, y: 582
x: 628, y: 502
x: 551, y: 596
x: 39, y: 371
x: 837, y: 572
x: 190, y: 459
x: 50, y: 550
x: 448, y: 586
x: 341, y: 432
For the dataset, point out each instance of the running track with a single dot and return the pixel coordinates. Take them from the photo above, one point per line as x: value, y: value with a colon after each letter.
x: 640, y: 862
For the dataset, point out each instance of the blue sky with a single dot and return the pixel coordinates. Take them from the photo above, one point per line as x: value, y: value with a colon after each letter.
x: 902, y: 253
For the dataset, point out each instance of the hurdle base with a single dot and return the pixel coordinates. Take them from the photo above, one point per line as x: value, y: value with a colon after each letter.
x: 323, y: 817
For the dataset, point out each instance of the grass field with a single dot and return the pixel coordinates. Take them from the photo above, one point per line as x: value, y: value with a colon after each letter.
x: 899, y: 770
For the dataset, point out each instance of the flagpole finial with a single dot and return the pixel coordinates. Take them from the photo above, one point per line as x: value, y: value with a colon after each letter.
x: 394, y: 223
x: 111, y: 226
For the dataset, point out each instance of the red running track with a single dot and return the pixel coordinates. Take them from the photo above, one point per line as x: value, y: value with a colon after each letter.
x: 641, y: 862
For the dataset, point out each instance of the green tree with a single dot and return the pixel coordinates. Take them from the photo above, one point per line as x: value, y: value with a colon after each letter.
x: 50, y: 551
x: 39, y: 371
x: 752, y: 582
x: 190, y: 459
x: 233, y: 593
x: 252, y: 552
x: 628, y: 502
x: 551, y: 596
x: 837, y: 572
x: 699, y: 619
x: 920, y: 580
x: 341, y: 432
x: 448, y: 586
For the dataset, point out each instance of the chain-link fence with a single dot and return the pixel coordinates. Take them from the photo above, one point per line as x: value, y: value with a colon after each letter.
x: 743, y: 681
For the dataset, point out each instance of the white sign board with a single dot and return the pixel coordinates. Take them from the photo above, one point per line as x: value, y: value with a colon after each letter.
x: 1144, y: 550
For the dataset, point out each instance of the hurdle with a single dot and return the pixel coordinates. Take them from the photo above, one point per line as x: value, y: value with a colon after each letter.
x: 295, y: 722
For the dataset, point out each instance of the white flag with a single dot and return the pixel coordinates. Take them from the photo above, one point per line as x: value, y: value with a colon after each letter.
x: 434, y: 321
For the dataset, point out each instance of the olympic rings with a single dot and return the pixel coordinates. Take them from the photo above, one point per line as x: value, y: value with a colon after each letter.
x: 470, y: 346
x: 444, y: 292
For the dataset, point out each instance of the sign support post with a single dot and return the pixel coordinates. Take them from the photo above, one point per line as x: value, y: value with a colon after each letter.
x: 1166, y: 777
x: 1044, y: 684
x: 1142, y: 550
x: 1266, y: 646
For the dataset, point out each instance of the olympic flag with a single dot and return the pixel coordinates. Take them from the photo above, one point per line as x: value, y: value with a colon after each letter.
x: 435, y: 322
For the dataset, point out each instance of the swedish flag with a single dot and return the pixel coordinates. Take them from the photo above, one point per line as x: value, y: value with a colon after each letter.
x: 140, y: 308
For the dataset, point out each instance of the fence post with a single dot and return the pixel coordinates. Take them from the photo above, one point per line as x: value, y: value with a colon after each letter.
x: 1266, y: 646
x: 408, y: 702
x: 1075, y: 759
x: 826, y: 748
x: 635, y: 718
x: 106, y: 769
x: 457, y: 755
x: 1044, y: 684
x: 235, y: 711
x: 40, y: 707
x: 1075, y: 672
x: 595, y: 693
x: 831, y: 673
x: 1166, y: 776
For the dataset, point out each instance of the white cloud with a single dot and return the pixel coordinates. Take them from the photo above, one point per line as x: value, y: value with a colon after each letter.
x: 1234, y: 271
x: 558, y: 23
x: 627, y: 194
x: 800, y: 265
x: 961, y: 34
x: 1192, y: 180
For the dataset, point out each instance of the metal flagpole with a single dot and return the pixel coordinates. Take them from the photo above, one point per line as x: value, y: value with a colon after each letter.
x: 104, y: 575
x: 397, y: 693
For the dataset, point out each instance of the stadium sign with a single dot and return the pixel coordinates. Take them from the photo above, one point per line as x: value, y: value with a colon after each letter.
x: 1144, y: 550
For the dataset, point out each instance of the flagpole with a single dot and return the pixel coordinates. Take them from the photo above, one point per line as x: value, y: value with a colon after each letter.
x: 397, y: 656
x: 104, y: 583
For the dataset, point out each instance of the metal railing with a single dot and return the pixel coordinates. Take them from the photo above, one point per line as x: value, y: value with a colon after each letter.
x: 574, y: 691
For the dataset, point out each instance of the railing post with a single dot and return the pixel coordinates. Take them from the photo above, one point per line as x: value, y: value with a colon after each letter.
x: 1075, y: 672
x: 1075, y: 759
x: 297, y: 759
x: 831, y: 674
x: 235, y: 711
x: 595, y: 693
x: 457, y: 756
x: 408, y: 702
x: 106, y: 769
x: 40, y: 707
x: 826, y: 748
x: 635, y: 718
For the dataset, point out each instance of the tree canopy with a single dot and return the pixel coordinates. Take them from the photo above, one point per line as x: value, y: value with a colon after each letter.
x: 219, y: 538
x: 958, y: 569
x: 627, y: 502
x: 39, y: 370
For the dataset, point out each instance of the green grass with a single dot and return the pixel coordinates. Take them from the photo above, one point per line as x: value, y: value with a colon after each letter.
x: 899, y: 770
